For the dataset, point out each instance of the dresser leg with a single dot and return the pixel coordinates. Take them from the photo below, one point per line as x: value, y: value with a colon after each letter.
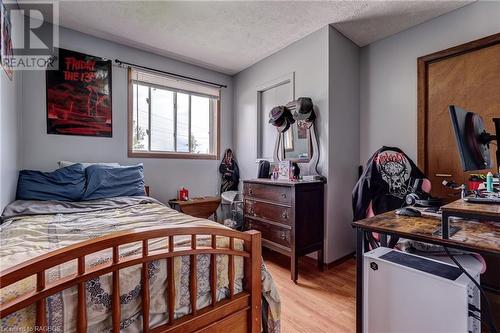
x: 321, y: 260
x: 294, y: 263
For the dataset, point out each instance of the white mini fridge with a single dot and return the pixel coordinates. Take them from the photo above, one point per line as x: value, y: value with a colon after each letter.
x: 406, y: 293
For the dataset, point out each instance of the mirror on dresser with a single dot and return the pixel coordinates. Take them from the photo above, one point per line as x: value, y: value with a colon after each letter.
x: 297, y: 143
x: 296, y: 139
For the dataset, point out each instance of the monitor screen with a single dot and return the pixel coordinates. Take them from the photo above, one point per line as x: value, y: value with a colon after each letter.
x: 474, y: 154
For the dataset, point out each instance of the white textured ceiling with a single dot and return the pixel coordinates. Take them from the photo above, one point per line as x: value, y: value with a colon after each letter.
x: 229, y: 36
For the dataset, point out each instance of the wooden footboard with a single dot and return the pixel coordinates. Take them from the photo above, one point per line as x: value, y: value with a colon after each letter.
x: 239, y: 313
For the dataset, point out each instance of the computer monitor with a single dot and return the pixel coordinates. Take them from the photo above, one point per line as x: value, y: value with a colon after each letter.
x: 472, y: 139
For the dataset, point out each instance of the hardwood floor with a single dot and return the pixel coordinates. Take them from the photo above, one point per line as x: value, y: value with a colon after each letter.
x: 320, y: 302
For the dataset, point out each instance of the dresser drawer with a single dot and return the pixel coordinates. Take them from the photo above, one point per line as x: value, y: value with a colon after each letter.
x: 270, y: 232
x: 268, y: 211
x: 278, y: 194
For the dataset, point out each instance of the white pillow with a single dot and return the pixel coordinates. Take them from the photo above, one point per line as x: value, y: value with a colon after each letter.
x: 63, y: 164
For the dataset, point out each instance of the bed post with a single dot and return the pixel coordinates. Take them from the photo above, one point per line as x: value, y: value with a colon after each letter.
x: 253, y: 281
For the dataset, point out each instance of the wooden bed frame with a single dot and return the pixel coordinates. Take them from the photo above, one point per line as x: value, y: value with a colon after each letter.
x: 239, y: 313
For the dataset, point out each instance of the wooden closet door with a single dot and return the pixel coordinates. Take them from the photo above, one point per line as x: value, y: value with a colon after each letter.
x: 471, y: 81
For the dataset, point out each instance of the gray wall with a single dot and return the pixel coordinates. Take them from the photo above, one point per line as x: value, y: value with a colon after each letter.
x: 326, y: 69
x: 343, y: 145
x: 165, y: 176
x: 10, y: 141
x: 308, y: 58
x: 389, y: 74
x: 10, y: 134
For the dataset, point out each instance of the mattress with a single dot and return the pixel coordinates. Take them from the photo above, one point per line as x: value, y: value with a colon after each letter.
x: 33, y: 228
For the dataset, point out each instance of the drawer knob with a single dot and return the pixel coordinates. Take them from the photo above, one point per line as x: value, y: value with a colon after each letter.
x: 284, y: 215
x: 283, y: 195
x: 283, y: 235
x: 251, y: 211
x: 249, y: 225
x: 250, y: 191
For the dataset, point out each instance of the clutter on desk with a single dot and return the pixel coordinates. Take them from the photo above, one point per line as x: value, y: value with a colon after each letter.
x: 475, y: 181
x: 408, y: 211
x: 418, y: 197
x: 489, y: 182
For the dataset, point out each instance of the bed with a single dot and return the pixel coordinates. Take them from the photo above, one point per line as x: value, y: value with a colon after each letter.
x: 101, y: 265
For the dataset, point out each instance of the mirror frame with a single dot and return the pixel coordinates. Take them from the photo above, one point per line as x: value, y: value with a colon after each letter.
x: 309, y: 167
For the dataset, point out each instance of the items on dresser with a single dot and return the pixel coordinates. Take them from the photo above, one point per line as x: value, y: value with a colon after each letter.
x: 295, y: 171
x: 264, y: 169
x: 289, y: 214
x: 275, y: 173
x: 284, y: 170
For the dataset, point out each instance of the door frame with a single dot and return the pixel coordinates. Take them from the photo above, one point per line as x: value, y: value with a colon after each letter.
x: 288, y: 78
x: 422, y: 87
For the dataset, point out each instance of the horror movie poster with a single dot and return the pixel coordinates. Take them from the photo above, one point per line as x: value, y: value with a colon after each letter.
x: 79, y: 96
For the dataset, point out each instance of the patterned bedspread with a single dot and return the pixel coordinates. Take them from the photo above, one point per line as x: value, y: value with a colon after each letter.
x: 32, y: 228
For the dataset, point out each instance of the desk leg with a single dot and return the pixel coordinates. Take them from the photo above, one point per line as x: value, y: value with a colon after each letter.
x: 383, y: 240
x: 445, y: 228
x: 360, y: 249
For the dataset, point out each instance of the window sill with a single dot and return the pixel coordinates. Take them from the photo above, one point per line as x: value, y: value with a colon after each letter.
x: 172, y: 155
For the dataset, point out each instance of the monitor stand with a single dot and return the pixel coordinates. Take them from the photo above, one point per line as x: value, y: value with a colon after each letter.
x: 497, y: 137
x: 451, y: 231
x: 467, y: 211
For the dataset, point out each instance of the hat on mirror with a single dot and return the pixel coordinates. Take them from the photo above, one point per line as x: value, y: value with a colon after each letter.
x: 304, y: 105
x: 281, y: 117
x: 283, y: 128
x: 304, y: 109
x: 276, y: 115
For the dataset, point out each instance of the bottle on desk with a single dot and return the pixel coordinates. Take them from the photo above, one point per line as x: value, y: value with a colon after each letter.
x: 489, y: 182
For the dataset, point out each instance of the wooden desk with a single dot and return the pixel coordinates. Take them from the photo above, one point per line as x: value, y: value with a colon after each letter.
x: 202, y: 207
x: 481, y: 236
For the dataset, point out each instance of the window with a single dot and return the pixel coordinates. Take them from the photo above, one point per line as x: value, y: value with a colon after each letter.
x: 172, y: 118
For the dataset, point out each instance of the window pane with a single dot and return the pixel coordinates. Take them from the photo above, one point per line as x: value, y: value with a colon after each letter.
x: 200, y: 124
x: 182, y: 122
x: 162, y: 120
x: 166, y: 120
x: 141, y: 117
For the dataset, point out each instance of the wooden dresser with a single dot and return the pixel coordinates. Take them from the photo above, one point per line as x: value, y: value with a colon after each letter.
x: 289, y: 215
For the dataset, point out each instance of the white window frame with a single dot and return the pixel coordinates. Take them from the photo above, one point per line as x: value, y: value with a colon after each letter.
x: 214, y: 127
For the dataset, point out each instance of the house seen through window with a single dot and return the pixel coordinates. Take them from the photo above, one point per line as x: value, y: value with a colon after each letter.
x: 172, y: 117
